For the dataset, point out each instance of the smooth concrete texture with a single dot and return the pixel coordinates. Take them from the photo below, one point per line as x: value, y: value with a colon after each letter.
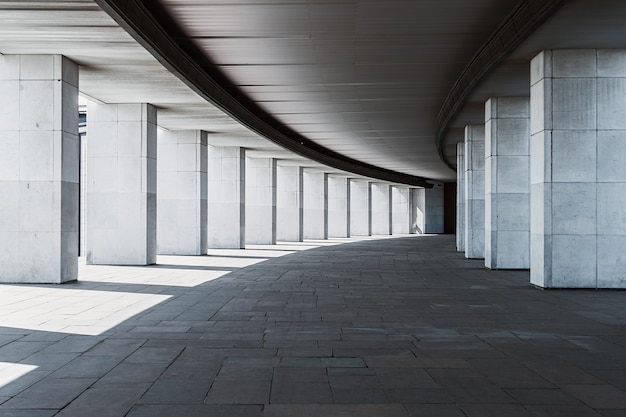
x: 507, y: 183
x: 121, y: 184
x: 578, y: 174
x: 338, y: 204
x: 360, y: 208
x: 227, y: 197
x: 39, y: 160
x: 400, y: 210
x: 289, y: 203
x: 261, y: 201
x: 182, y: 192
x: 380, y: 204
x: 427, y: 211
x: 460, y: 196
x: 315, y: 203
x: 394, y: 327
x: 474, y: 191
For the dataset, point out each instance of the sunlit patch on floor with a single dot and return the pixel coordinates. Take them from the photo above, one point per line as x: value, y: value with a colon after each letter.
x: 10, y: 372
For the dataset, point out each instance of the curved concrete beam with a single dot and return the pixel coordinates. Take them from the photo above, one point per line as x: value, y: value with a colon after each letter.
x: 149, y: 24
x: 525, y: 18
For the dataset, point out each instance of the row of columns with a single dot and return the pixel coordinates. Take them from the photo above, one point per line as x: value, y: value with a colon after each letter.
x: 542, y: 184
x: 197, y: 196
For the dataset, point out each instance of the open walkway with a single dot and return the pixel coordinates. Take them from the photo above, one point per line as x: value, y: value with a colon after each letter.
x: 391, y: 327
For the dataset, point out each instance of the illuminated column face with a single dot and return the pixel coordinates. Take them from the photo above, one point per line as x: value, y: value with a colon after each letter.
x: 427, y: 209
x: 400, y: 210
x: 315, y: 199
x: 507, y: 183
x: 359, y: 208
x: 338, y: 204
x: 289, y: 203
x: 39, y: 169
x: 578, y: 174
x: 261, y: 201
x: 460, y: 197
x: 182, y: 192
x: 227, y: 197
x: 121, y: 184
x: 380, y: 195
x: 475, y: 191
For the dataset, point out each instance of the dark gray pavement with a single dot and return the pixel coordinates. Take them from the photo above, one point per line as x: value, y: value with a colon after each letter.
x: 391, y: 327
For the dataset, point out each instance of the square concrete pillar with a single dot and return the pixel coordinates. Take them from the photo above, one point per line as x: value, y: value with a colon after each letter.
x: 578, y: 173
x: 261, y: 201
x: 315, y: 201
x: 427, y: 209
x: 360, y: 208
x: 182, y: 192
x: 380, y: 195
x: 460, y: 197
x: 338, y: 204
x: 227, y: 197
x: 401, y: 210
x: 121, y: 184
x: 474, y: 191
x: 507, y: 183
x: 39, y: 159
x: 289, y: 203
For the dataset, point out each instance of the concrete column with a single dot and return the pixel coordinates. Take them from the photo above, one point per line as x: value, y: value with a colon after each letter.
x: 261, y: 201
x: 460, y: 197
x: 289, y: 203
x: 475, y: 191
x: 121, y: 184
x: 338, y: 204
x: 578, y: 173
x: 226, y: 197
x: 401, y: 210
x: 507, y: 183
x: 315, y: 204
x: 182, y: 192
x: 381, y: 208
x: 360, y: 208
x: 428, y: 209
x: 39, y: 158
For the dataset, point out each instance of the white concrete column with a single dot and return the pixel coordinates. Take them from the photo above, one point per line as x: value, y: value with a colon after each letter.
x: 121, y: 184
x: 507, y: 183
x: 226, y: 197
x: 39, y: 158
x: 261, y: 201
x: 315, y: 201
x: 182, y: 192
x: 475, y: 191
x: 401, y: 210
x: 337, y: 206
x: 381, y: 208
x: 359, y: 208
x: 578, y: 169
x: 428, y: 209
x: 289, y: 203
x: 460, y: 197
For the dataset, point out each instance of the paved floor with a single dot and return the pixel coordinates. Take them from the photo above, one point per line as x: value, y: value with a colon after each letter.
x: 395, y: 327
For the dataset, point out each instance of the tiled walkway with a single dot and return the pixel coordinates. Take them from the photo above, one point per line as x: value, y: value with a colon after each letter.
x: 394, y: 327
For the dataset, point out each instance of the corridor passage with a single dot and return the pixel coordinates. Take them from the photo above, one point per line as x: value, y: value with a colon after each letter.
x: 370, y: 327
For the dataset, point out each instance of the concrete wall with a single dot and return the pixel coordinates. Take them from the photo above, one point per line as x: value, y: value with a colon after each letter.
x: 474, y: 191
x: 289, y: 203
x: 359, y: 208
x: 338, y: 205
x: 460, y: 197
x: 315, y: 204
x: 401, y: 210
x: 261, y: 201
x: 380, y: 203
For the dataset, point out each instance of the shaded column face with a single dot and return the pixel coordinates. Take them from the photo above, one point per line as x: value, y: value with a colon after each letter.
x: 226, y: 198
x: 359, y: 208
x: 401, y: 210
x: 474, y: 191
x: 39, y: 177
x: 578, y: 174
x: 121, y: 184
x: 289, y: 208
x: 460, y: 197
x: 380, y: 209
x: 182, y: 192
x: 507, y: 183
x: 337, y: 206
x: 315, y: 194
x: 261, y: 201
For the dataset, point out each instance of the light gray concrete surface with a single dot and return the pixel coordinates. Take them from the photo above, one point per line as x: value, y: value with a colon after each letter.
x: 380, y: 203
x: 338, y: 205
x: 474, y: 191
x: 121, y: 184
x: 315, y: 200
x: 400, y: 210
x: 359, y: 208
x: 289, y: 203
x: 460, y: 197
x: 261, y: 201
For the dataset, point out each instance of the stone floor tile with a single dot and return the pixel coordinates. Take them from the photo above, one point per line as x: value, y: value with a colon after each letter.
x: 434, y: 410
x: 239, y: 392
x: 301, y: 393
x: 335, y: 410
x: 598, y: 396
x: 103, y: 401
x: 359, y: 396
x: 151, y: 410
x: 177, y: 391
x: 562, y: 411
x: 49, y: 393
x: 495, y: 410
x: 542, y: 396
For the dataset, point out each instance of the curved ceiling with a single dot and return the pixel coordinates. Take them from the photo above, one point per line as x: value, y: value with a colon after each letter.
x: 356, y: 81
